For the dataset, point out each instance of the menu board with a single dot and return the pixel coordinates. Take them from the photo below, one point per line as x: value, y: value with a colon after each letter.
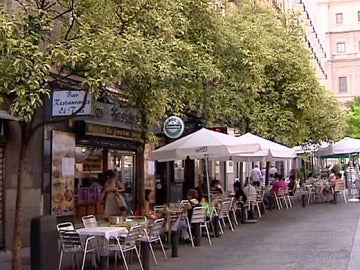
x: 63, y: 173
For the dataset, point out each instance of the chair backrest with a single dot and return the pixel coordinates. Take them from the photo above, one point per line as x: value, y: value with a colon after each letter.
x: 65, y: 226
x: 159, y: 208
x: 225, y: 207
x: 252, y: 197
x: 281, y: 192
x: 136, y: 219
x: 156, y: 228
x: 69, y: 239
x: 198, y: 215
x: 89, y: 221
x: 134, y: 234
x: 184, y: 202
x: 339, y: 187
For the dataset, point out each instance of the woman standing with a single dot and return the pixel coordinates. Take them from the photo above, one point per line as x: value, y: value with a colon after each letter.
x: 113, y: 196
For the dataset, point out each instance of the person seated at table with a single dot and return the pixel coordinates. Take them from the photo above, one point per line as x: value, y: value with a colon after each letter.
x: 215, y: 186
x: 147, y: 210
x: 240, y: 194
x: 292, y: 185
x: 249, y: 188
x: 241, y: 198
x: 337, y: 182
x: 327, y: 189
x: 192, y: 197
x: 278, y: 183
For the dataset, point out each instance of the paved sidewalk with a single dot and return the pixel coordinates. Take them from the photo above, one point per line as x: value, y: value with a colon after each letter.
x: 317, y: 237
x: 5, y: 259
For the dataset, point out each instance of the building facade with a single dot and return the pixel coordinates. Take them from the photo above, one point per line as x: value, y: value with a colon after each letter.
x: 314, y: 36
x: 341, y: 24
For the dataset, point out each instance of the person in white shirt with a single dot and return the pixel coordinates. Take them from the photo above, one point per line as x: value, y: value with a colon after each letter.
x: 256, y: 176
x: 249, y: 189
x: 273, y: 171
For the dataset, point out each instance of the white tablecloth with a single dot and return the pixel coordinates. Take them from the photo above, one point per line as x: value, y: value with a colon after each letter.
x: 106, y: 232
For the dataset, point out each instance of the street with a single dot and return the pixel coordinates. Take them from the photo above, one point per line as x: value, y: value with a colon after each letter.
x: 319, y: 236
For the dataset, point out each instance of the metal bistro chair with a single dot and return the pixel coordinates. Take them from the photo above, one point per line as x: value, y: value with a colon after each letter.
x: 252, y: 201
x: 340, y: 189
x: 70, y: 243
x: 136, y: 219
x: 89, y: 221
x: 198, y: 216
x: 279, y: 197
x: 128, y: 243
x: 224, y: 213
x: 154, y: 235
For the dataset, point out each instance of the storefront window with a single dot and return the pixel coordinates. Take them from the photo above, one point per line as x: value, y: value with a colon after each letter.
x: 123, y: 163
x: 91, y: 163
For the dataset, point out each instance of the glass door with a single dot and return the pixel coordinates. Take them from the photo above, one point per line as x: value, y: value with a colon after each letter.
x: 123, y: 163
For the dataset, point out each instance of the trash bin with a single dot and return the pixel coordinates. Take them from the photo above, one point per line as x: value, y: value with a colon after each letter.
x: 44, y: 253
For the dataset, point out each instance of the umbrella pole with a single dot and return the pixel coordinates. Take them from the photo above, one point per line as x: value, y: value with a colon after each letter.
x: 207, y: 176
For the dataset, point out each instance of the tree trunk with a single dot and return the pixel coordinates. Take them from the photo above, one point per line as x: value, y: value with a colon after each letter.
x: 141, y: 175
x: 19, y: 208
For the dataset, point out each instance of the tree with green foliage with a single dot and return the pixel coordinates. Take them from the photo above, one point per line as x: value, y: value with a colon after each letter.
x: 353, y: 119
x: 143, y: 48
x: 247, y: 68
x: 275, y: 90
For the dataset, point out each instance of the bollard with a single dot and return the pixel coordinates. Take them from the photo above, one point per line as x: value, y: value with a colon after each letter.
x: 197, y: 234
x: 145, y: 249
x: 44, y: 243
x: 175, y: 235
x: 216, y: 226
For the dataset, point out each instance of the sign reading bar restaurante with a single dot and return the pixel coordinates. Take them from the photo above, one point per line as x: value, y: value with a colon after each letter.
x: 67, y: 102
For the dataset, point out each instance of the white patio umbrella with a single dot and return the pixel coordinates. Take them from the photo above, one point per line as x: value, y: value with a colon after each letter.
x: 269, y: 150
x: 203, y: 143
x: 344, y: 147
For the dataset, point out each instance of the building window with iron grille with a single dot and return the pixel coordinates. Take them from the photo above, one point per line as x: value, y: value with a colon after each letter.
x: 339, y: 17
x: 340, y: 47
x: 342, y: 84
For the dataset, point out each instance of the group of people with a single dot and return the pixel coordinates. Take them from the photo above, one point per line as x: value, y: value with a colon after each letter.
x: 258, y: 176
x: 250, y: 187
x: 335, y: 178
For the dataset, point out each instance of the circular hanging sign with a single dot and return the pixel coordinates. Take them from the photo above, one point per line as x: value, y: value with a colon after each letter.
x: 174, y: 127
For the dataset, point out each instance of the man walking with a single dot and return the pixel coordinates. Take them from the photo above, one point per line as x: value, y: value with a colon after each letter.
x: 256, y: 176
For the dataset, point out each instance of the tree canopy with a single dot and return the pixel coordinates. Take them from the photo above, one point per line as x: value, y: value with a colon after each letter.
x: 353, y: 119
x: 247, y: 67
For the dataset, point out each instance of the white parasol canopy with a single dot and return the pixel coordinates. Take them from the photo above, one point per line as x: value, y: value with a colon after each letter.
x: 270, y: 151
x: 203, y: 143
x: 346, y: 146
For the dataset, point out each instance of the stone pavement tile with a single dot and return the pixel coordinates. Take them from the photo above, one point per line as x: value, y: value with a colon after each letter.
x: 319, y: 236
